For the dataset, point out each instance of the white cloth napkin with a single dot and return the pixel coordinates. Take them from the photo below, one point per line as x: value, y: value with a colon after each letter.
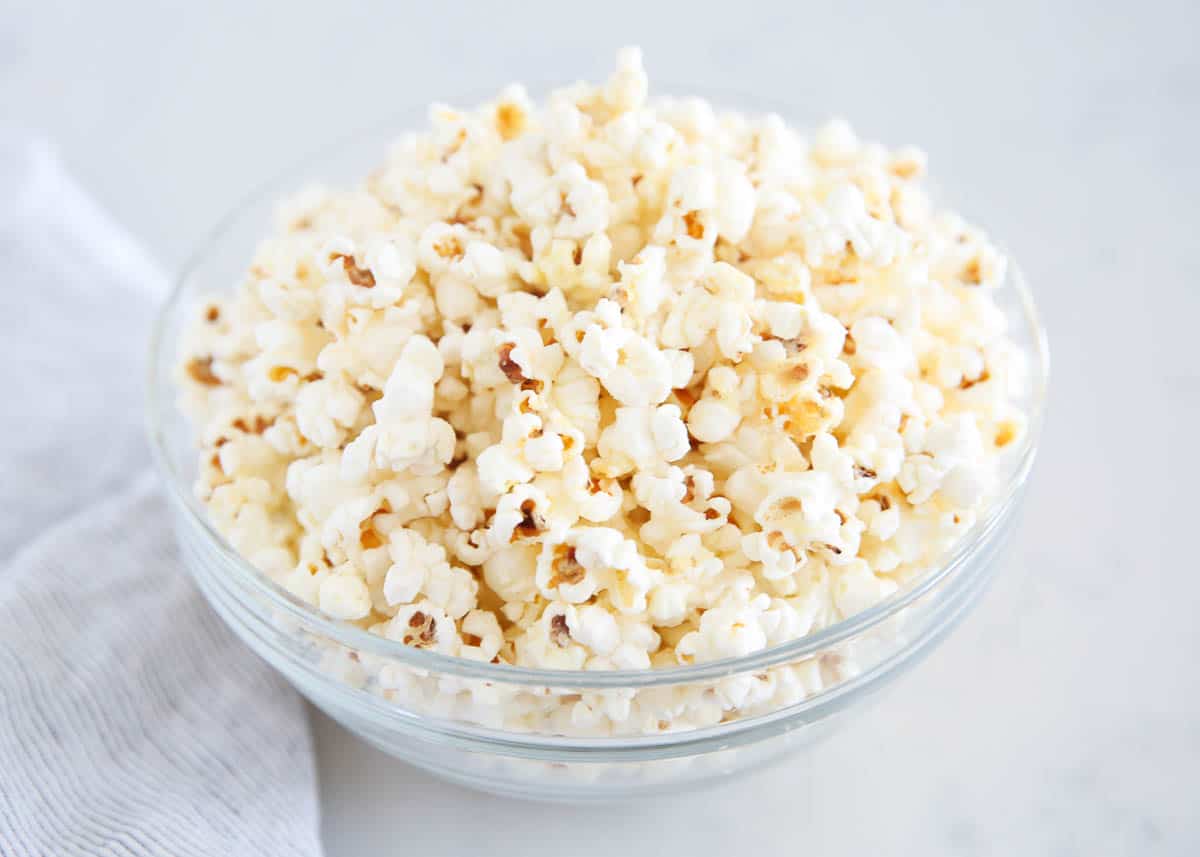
x: 132, y: 722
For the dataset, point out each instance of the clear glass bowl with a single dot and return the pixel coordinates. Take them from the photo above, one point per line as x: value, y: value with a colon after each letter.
x: 507, y: 729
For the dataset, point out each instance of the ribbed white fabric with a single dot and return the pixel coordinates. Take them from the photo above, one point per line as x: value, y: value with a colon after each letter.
x: 131, y: 721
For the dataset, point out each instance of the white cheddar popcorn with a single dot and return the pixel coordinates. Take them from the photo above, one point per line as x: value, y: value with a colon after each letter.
x: 608, y: 383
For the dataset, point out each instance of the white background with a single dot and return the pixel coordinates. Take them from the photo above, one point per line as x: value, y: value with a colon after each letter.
x: 1064, y: 717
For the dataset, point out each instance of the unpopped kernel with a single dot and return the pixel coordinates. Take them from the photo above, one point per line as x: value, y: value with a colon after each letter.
x: 606, y: 383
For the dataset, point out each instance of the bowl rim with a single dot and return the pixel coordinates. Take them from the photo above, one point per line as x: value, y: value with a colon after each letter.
x: 159, y: 399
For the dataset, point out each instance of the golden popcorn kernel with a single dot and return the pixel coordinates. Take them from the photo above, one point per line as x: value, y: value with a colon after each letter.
x: 906, y: 168
x: 797, y: 373
x: 199, y: 369
x: 1006, y: 433
x: 686, y: 397
x: 260, y: 424
x: 521, y: 233
x: 968, y: 383
x: 448, y: 247
x: 837, y: 277
x: 510, y: 120
x: 973, y: 272
x: 805, y: 417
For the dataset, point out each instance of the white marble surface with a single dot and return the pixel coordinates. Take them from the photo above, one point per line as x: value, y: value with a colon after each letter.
x: 1064, y: 717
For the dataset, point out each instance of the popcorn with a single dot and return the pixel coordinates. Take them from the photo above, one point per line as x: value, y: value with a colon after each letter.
x: 878, y: 345
x: 506, y: 572
x: 482, y: 636
x: 548, y: 642
x: 948, y: 460
x: 640, y: 437
x: 725, y: 632
x: 632, y: 369
x: 405, y: 434
x: 643, y: 281
x: 626, y: 89
x: 419, y: 567
x: 735, y: 202
x: 607, y: 383
x: 777, y: 563
x: 521, y: 513
x: 595, y: 499
x: 712, y: 421
x: 595, y: 628
x: 544, y: 452
x: 500, y: 469
x: 326, y: 410
x: 345, y: 596
x: 423, y: 626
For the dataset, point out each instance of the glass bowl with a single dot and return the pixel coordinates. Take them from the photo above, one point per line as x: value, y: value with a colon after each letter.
x: 508, y: 729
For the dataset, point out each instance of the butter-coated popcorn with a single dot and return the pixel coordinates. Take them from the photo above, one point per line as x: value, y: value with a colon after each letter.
x: 607, y: 383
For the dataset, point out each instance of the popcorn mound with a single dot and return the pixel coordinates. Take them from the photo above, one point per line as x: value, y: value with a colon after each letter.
x: 606, y: 384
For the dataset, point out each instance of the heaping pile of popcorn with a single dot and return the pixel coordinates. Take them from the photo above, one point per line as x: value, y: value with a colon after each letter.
x: 606, y: 383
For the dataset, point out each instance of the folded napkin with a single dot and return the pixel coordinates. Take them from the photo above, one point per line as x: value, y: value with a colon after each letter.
x: 132, y: 722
